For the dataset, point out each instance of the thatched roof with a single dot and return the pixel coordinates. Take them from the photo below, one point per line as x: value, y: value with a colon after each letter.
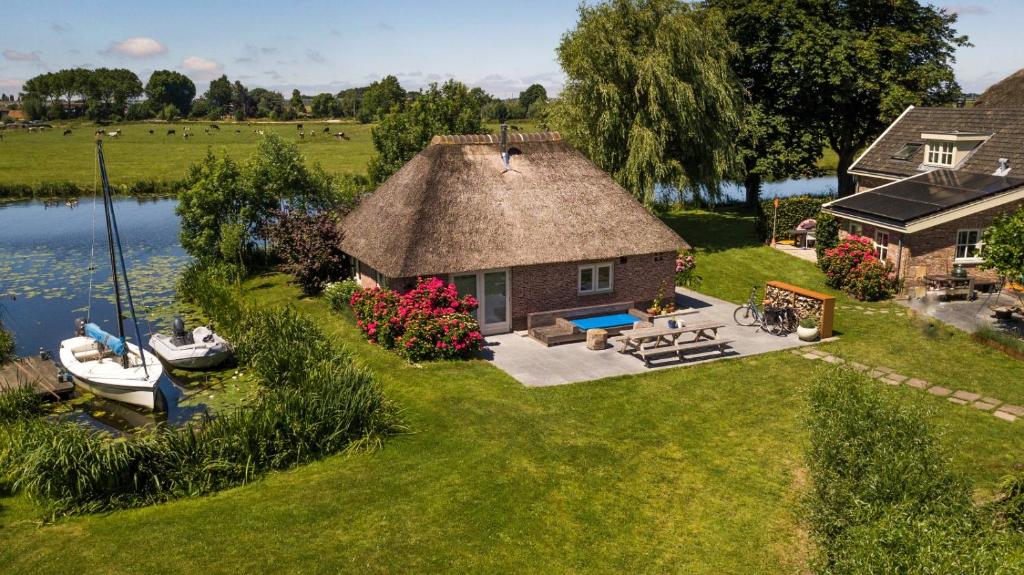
x: 1007, y: 93
x: 455, y: 208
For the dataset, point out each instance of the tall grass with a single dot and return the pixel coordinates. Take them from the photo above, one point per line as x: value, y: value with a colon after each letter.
x: 71, y: 189
x: 20, y: 403
x: 316, y: 402
x: 884, y: 499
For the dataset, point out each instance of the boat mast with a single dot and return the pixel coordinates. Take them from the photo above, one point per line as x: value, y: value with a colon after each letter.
x: 110, y: 244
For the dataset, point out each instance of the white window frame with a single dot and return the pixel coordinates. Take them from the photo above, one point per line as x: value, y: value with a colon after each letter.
x: 594, y: 267
x: 978, y: 246
x: 940, y: 153
x: 881, y: 249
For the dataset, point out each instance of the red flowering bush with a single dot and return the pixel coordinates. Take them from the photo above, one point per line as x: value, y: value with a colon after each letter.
x: 686, y: 270
x: 376, y: 312
x: 429, y: 322
x: 853, y: 267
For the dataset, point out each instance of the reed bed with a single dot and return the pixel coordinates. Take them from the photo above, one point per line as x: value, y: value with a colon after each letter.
x: 71, y: 189
x: 316, y: 401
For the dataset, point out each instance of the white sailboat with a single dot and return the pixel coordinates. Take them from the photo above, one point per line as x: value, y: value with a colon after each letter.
x: 105, y: 364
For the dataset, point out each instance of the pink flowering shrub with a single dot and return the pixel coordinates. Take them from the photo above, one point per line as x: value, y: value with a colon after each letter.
x: 429, y: 322
x: 853, y: 267
x: 686, y: 270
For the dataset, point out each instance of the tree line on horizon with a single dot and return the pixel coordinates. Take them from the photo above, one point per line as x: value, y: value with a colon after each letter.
x: 106, y: 94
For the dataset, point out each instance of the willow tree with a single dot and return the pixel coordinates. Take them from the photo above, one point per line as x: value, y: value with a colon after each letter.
x: 649, y: 95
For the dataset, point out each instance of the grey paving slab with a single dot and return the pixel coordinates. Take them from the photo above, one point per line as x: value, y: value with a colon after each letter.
x: 967, y: 395
x: 957, y: 400
x: 991, y: 400
x: 918, y: 383
x: 939, y: 390
x: 811, y: 356
x: 1004, y: 415
x: 832, y: 359
x: 858, y: 366
x: 1013, y: 409
x: 532, y: 364
x: 983, y: 405
x: 896, y: 377
x: 885, y: 369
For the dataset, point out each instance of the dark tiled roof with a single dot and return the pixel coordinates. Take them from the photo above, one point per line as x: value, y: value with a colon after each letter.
x: 1006, y: 126
x: 923, y: 195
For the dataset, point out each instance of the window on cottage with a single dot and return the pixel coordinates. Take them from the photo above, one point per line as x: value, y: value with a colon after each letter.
x: 595, y: 278
x: 382, y: 281
x: 882, y: 245
x: 968, y: 246
x: 855, y: 229
x: 940, y: 153
x: 907, y: 151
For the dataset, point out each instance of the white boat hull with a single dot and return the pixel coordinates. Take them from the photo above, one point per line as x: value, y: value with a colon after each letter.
x: 103, y: 374
x: 201, y: 354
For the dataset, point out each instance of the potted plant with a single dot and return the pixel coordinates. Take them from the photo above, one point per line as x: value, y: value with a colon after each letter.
x: 808, y: 329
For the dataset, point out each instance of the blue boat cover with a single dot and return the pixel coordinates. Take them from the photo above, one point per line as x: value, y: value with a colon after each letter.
x: 604, y: 321
x: 113, y: 343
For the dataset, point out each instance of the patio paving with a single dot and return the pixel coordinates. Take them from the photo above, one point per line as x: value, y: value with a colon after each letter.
x: 967, y: 315
x: 803, y: 253
x: 534, y: 365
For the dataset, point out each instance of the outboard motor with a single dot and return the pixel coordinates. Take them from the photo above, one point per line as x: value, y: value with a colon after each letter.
x: 180, y: 336
x: 80, y: 326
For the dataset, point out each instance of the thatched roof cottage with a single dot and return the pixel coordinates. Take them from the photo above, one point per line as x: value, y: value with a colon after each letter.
x: 535, y: 228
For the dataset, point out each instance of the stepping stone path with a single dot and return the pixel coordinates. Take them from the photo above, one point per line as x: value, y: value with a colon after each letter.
x: 996, y: 407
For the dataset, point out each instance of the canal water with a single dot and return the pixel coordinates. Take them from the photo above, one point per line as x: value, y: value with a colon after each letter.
x: 46, y: 251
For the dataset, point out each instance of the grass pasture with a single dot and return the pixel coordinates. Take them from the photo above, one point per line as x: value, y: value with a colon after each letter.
x: 693, y: 470
x: 49, y: 156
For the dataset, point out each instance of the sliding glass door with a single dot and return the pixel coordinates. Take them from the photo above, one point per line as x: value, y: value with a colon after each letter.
x: 491, y: 289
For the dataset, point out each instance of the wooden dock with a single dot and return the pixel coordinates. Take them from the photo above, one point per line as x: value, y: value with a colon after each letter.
x: 42, y: 374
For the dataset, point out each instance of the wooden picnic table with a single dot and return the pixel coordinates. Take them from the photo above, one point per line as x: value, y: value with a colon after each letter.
x: 650, y: 342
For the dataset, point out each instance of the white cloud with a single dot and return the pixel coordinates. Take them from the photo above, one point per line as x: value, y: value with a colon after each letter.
x: 137, y: 47
x: 16, y: 56
x: 202, y: 68
x: 315, y: 57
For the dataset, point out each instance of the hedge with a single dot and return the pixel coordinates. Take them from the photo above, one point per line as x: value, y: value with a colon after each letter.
x: 792, y: 211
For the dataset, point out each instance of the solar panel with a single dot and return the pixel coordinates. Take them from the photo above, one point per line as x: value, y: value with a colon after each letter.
x: 924, y: 195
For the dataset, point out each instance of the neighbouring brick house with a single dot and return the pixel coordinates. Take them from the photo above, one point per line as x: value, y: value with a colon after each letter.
x: 524, y: 222
x: 931, y: 183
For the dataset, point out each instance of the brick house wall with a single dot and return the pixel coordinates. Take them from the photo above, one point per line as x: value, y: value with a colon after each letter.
x: 931, y: 251
x: 554, y: 286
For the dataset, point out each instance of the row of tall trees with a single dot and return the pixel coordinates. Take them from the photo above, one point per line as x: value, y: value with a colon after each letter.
x: 97, y: 94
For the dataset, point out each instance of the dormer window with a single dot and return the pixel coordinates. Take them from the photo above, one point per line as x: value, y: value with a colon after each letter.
x: 950, y: 149
x: 940, y: 153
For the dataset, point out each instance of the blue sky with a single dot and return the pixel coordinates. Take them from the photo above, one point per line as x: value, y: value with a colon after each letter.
x: 325, y: 46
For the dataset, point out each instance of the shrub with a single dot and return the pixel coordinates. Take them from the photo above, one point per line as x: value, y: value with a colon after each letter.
x: 310, y: 246
x: 826, y: 233
x: 883, y: 498
x: 431, y: 321
x: 6, y: 345
x: 339, y: 294
x: 853, y: 267
x: 791, y: 212
x: 376, y: 312
x: 686, y: 269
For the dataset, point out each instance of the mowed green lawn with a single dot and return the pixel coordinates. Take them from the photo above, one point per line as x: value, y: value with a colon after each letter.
x: 49, y: 156
x: 694, y: 470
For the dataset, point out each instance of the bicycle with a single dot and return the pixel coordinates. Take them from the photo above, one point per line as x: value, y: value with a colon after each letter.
x: 777, y: 320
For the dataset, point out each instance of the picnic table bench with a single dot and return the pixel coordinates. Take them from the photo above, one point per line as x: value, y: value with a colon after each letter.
x: 653, y: 342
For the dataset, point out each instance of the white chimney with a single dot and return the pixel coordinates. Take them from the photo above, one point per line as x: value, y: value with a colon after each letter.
x: 1002, y: 167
